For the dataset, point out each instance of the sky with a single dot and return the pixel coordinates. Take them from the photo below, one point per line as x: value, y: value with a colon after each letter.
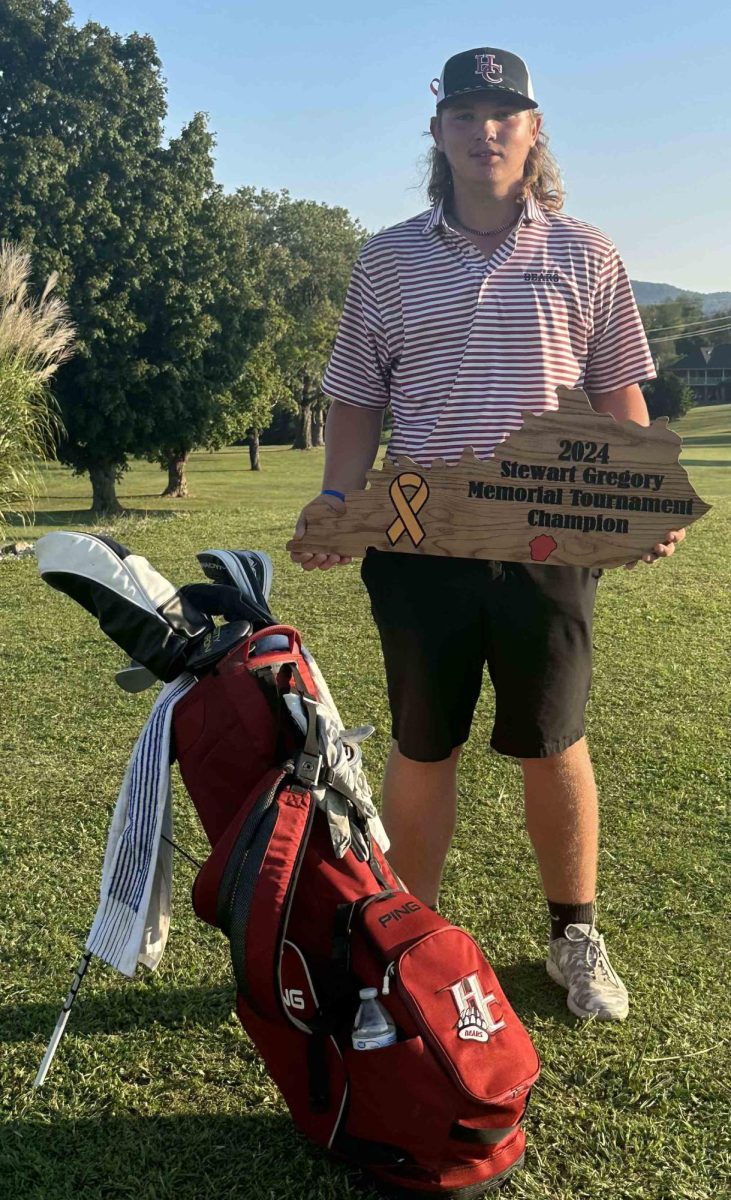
x: 332, y: 101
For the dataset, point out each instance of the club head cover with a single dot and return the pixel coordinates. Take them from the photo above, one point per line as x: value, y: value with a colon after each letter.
x: 216, y: 645
x: 248, y: 570
x: 224, y: 600
x: 358, y: 734
x: 135, y: 678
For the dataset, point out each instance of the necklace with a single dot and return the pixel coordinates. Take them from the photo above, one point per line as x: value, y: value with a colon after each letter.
x: 485, y: 232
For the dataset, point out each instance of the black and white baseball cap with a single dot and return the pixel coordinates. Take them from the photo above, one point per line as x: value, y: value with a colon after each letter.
x: 485, y: 70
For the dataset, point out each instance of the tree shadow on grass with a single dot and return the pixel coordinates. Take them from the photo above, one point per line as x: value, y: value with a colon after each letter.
x: 714, y: 439
x: 85, y: 518
x: 705, y: 462
x: 121, y: 1011
x: 154, y: 496
x: 255, y: 1155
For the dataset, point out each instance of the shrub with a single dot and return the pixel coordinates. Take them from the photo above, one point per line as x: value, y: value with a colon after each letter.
x: 35, y: 337
x: 667, y: 396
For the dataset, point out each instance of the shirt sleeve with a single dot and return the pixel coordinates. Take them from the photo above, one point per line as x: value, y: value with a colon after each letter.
x: 618, y: 353
x: 358, y: 372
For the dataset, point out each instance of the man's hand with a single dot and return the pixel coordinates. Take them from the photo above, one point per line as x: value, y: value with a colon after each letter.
x: 661, y: 550
x: 309, y: 561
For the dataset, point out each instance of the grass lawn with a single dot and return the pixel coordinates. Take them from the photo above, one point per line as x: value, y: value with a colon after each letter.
x: 156, y: 1093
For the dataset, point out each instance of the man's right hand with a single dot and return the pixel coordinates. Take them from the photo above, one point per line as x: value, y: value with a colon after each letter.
x: 309, y: 561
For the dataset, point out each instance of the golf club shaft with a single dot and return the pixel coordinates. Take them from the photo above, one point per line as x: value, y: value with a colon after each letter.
x: 61, y: 1022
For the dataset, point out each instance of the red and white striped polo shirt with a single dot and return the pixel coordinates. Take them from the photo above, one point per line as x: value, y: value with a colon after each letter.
x: 461, y: 345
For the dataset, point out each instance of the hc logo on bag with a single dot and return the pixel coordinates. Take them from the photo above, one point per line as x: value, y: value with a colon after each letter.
x: 486, y: 66
x: 475, y: 1022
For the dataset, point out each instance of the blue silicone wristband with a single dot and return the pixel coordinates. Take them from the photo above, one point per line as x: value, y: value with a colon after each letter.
x: 332, y: 492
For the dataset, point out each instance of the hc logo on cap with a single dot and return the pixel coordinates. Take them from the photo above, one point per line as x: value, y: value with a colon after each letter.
x: 491, y: 71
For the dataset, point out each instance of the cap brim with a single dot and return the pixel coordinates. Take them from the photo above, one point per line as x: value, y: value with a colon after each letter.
x: 487, y: 90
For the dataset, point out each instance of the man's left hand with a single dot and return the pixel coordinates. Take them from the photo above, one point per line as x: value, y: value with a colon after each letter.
x: 661, y: 550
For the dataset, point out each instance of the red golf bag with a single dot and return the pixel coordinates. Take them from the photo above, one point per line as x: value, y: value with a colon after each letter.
x: 436, y: 1113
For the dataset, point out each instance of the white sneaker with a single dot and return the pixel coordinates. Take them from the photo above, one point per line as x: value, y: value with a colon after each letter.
x: 580, y: 963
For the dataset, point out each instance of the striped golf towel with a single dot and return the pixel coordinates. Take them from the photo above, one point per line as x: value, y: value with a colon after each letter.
x: 133, y: 917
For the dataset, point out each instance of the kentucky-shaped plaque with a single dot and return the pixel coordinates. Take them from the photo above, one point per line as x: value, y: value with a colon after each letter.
x: 569, y: 488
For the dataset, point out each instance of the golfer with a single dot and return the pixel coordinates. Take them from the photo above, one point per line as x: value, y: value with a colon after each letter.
x: 463, y: 319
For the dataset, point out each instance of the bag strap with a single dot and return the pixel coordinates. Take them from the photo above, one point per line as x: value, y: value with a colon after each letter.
x: 294, y: 641
x: 308, y: 763
x: 480, y: 1137
x: 263, y: 899
x: 487, y: 1137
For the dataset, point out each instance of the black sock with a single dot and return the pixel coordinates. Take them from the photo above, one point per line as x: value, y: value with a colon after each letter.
x: 569, y: 914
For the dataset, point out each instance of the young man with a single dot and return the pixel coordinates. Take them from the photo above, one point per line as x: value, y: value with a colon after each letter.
x: 463, y: 319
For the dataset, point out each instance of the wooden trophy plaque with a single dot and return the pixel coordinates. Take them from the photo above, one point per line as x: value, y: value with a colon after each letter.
x: 569, y: 488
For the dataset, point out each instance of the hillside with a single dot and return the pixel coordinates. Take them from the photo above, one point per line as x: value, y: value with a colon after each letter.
x: 656, y: 293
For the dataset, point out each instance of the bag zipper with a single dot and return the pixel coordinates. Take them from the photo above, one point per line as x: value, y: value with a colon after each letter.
x: 242, y: 897
x: 390, y: 972
x: 231, y: 877
x: 246, y: 881
x: 434, y: 1043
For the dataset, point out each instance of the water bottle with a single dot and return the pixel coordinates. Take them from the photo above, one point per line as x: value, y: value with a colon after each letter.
x: 373, y: 1027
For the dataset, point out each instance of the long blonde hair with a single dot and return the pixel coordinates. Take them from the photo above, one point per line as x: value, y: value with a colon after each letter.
x: 541, y: 175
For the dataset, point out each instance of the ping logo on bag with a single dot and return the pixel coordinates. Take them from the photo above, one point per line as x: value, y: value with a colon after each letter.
x: 397, y: 913
x: 296, y: 988
x: 475, y: 1022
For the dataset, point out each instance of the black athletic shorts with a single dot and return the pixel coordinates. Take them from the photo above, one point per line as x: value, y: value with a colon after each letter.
x: 441, y: 619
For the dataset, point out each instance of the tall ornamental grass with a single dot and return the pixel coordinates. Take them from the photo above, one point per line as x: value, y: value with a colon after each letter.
x: 36, y: 336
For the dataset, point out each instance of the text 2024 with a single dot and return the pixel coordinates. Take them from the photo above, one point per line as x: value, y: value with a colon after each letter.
x: 583, y: 451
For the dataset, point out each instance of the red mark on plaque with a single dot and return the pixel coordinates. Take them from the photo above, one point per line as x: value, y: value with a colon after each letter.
x: 542, y: 547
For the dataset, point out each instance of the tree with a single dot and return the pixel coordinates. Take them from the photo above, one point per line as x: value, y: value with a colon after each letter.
x: 202, y: 317
x: 323, y: 243
x: 35, y: 337
x: 250, y: 401
x: 279, y: 431
x: 138, y: 233
x: 174, y: 306
x: 306, y: 350
x: 241, y: 377
x: 82, y: 123
x: 319, y: 415
x: 667, y: 396
x: 685, y: 345
x: 313, y: 248
x: 673, y: 321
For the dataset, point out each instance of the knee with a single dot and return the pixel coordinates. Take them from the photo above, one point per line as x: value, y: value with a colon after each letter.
x: 420, y: 762
x: 419, y: 770
x: 557, y: 763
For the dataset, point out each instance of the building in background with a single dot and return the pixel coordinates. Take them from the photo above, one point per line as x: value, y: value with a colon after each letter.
x: 707, y: 370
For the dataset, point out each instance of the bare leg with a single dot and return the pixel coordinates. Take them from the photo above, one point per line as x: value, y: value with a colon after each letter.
x: 419, y: 814
x: 562, y: 819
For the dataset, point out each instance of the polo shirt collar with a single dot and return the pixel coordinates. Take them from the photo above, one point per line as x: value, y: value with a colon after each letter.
x: 435, y: 217
x: 532, y: 212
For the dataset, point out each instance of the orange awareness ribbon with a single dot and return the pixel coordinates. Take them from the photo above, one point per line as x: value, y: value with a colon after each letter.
x: 407, y: 507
